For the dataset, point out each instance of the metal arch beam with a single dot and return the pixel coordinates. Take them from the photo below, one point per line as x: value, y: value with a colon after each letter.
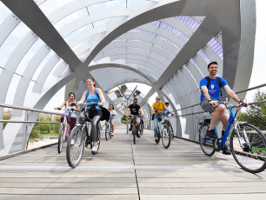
x: 71, y: 7
x: 144, y: 53
x: 137, y: 60
x: 28, y: 73
x: 87, y: 19
x: 189, y: 7
x: 147, y: 38
x: 152, y: 74
x: 9, y: 24
x: 107, y: 65
x: 35, y: 19
x: 12, y: 63
x: 231, y: 44
x: 162, y: 52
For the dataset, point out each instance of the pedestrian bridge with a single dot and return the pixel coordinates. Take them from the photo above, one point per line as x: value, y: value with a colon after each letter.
x: 122, y: 170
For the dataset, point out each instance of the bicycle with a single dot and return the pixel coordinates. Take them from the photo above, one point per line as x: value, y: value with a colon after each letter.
x: 141, y: 126
x: 246, y: 142
x: 134, y: 127
x: 108, y: 131
x: 170, y: 126
x: 163, y: 132
x: 80, y: 137
x: 64, y: 130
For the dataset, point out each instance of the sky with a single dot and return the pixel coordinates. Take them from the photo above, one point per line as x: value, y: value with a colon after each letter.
x: 257, y: 77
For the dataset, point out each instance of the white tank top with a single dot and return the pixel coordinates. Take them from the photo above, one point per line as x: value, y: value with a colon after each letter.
x: 68, y: 108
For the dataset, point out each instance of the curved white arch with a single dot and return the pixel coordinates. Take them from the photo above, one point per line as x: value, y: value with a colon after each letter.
x: 71, y: 7
x: 82, y: 21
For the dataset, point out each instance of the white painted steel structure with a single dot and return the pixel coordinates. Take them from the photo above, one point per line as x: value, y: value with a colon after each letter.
x: 166, y: 44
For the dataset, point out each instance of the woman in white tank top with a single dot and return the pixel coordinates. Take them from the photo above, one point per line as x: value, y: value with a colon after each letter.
x: 112, y: 117
x: 71, y: 109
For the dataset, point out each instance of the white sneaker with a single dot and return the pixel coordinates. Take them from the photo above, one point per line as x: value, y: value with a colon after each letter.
x: 72, y: 142
x: 95, y: 148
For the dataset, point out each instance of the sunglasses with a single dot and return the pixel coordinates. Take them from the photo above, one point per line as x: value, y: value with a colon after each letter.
x: 158, y: 99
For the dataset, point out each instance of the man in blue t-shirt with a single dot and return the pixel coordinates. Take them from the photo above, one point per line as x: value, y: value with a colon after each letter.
x: 210, y: 98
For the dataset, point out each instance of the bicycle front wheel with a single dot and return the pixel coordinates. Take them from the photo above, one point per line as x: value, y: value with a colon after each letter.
x: 75, y: 147
x: 251, y: 154
x: 166, y: 137
x: 141, y: 129
x: 206, y: 144
x: 107, y: 134
x: 60, y: 139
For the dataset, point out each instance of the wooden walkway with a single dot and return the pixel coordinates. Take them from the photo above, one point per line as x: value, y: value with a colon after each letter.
x: 125, y: 171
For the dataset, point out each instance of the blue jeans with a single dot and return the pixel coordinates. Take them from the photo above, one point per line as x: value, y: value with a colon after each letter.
x: 157, y: 117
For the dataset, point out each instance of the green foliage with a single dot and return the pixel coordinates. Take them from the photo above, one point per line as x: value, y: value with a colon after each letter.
x: 6, y: 117
x: 256, y: 114
x: 124, y: 119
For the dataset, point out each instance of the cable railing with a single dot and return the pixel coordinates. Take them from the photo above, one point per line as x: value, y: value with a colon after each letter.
x: 22, y: 128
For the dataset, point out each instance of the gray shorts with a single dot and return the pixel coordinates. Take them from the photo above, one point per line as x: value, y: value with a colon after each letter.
x: 205, y: 105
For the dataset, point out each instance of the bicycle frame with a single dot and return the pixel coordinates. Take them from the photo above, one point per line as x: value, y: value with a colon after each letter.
x: 222, y: 140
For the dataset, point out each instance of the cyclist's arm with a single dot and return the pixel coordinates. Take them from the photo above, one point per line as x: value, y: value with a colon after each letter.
x: 231, y: 93
x: 82, y: 98
x: 100, y: 93
x: 205, y: 93
x: 152, y: 108
x: 168, y: 110
x: 128, y: 111
x: 61, y: 106
x: 77, y: 108
x: 141, y: 113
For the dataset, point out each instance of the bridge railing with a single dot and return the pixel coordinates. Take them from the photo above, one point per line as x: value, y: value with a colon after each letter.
x: 188, y: 117
x: 26, y: 128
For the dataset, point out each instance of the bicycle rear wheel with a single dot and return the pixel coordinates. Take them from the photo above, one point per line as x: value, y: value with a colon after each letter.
x: 134, y: 133
x: 60, y: 139
x: 206, y: 144
x: 166, y: 137
x: 251, y: 156
x: 107, y: 134
x: 75, y: 147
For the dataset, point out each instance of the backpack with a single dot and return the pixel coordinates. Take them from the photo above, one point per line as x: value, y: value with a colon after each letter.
x: 218, y: 81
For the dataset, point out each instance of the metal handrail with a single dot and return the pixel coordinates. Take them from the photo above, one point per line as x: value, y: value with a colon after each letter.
x: 28, y: 109
x: 241, y: 91
x: 28, y: 122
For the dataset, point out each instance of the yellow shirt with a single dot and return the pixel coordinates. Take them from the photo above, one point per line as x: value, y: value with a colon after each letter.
x: 158, y: 107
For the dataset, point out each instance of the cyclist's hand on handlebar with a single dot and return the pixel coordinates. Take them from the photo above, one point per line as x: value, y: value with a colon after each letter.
x: 74, y: 104
x: 57, y: 108
x: 242, y: 103
x: 213, y: 103
x: 172, y: 114
x: 100, y: 104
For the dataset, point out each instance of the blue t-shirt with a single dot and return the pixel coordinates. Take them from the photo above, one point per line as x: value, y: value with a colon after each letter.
x: 93, y: 99
x: 165, y: 112
x: 213, y: 89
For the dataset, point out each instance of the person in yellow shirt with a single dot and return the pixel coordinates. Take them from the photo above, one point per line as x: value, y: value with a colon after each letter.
x: 157, y: 108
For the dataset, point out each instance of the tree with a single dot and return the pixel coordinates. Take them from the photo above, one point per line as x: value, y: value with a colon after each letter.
x: 6, y: 117
x: 256, y: 114
x: 35, y: 135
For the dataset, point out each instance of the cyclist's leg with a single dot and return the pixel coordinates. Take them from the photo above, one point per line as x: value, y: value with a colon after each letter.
x: 138, y: 121
x: 73, y: 123
x: 113, y: 125
x: 216, y: 115
x: 155, y: 121
x: 95, y: 120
